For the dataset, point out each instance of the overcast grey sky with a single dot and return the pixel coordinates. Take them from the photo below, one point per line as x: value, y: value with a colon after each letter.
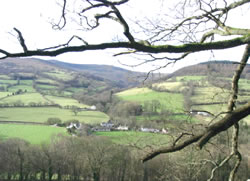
x: 34, y: 17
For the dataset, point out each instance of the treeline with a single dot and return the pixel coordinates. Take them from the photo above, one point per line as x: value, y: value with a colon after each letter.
x: 98, y: 159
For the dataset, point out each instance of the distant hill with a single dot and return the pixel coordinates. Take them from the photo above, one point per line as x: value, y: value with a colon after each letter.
x: 122, y: 77
x: 216, y: 68
x: 109, y: 75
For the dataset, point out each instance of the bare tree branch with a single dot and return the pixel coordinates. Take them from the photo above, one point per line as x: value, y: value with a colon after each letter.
x: 21, y: 40
x: 191, y: 47
x: 62, y: 22
x: 230, y: 119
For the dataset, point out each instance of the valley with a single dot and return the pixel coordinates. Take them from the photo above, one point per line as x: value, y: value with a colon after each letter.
x: 43, y: 103
x: 53, y: 90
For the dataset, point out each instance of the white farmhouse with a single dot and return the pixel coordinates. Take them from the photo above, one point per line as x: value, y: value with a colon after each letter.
x: 122, y: 128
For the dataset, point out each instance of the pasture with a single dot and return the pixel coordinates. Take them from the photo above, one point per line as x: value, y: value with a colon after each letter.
x: 10, y: 82
x: 46, y: 81
x: 63, y: 101
x: 34, y: 134
x: 190, y: 77
x: 170, y: 101
x: 41, y: 115
x: 136, y: 138
x: 4, y: 94
x: 170, y: 86
x: 63, y: 75
x: 5, y: 77
x: 210, y: 94
x: 25, y: 98
x: 23, y: 87
x: 46, y: 87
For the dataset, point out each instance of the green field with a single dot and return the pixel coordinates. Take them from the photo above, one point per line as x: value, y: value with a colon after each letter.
x: 47, y: 87
x: 41, y: 114
x: 4, y: 94
x: 4, y: 77
x: 63, y: 101
x: 137, y: 138
x: 3, y: 81
x: 25, y: 98
x: 210, y: 94
x: 170, y: 101
x: 244, y: 84
x: 170, y: 86
x: 26, y: 82
x: 188, y: 78
x: 61, y: 75
x: 34, y: 134
x: 46, y: 81
x: 23, y: 87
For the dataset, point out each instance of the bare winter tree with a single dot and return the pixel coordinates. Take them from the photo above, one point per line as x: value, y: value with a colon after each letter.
x: 189, y: 27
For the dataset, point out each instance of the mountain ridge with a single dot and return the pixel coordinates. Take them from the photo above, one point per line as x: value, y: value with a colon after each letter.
x: 222, y: 68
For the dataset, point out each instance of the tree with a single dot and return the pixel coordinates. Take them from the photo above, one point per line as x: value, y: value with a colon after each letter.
x: 75, y: 110
x: 200, y: 25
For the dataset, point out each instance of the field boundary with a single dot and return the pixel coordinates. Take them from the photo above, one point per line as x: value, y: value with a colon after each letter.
x: 21, y: 122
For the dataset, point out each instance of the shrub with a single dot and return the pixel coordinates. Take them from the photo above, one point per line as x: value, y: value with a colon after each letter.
x: 52, y: 121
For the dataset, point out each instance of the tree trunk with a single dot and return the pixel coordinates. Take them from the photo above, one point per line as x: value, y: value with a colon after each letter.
x: 96, y: 176
x: 59, y: 175
x: 20, y: 164
x: 50, y: 171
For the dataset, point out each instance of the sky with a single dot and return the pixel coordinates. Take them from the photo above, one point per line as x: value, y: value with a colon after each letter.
x: 34, y: 19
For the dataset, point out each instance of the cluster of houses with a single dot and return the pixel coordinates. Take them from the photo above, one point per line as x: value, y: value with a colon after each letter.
x: 109, y: 126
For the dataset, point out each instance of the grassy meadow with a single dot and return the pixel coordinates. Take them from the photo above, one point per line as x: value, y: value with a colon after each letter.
x: 41, y: 115
x: 34, y: 134
x: 170, y: 101
x: 135, y: 138
x: 63, y: 75
x: 64, y: 101
x: 25, y: 98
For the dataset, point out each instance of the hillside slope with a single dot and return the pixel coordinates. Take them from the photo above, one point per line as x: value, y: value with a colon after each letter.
x: 30, y: 68
x: 203, y: 89
x: 122, y: 77
x: 213, y: 68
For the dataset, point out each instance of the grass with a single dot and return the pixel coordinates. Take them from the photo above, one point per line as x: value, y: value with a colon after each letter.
x: 188, y: 78
x: 210, y: 94
x: 244, y: 84
x: 25, y: 98
x: 74, y: 89
x: 4, y: 94
x: 34, y: 134
x: 41, y: 114
x: 4, y: 77
x: 48, y: 87
x: 28, y: 88
x: 8, y: 81
x: 140, y: 139
x: 45, y: 81
x: 171, y: 86
x: 60, y: 75
x: 170, y: 101
x: 26, y: 82
x: 62, y: 101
